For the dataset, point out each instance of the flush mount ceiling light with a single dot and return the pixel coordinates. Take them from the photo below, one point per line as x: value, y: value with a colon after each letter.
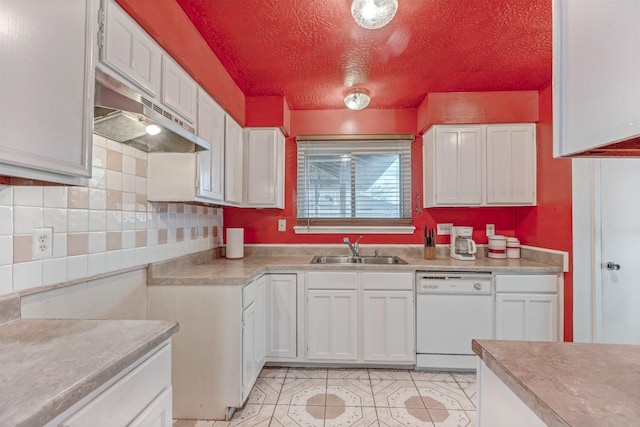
x: 357, y: 99
x: 373, y: 14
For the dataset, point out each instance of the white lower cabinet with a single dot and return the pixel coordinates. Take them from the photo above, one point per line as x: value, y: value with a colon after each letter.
x: 282, y: 325
x: 253, y: 333
x: 332, y: 317
x: 526, y: 307
x: 142, y: 397
x: 388, y: 326
x: 360, y: 317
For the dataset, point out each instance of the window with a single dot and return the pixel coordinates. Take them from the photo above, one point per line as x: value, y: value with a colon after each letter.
x: 356, y: 182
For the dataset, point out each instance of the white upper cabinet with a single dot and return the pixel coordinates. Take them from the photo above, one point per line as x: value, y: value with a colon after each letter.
x: 511, y: 164
x: 264, y: 168
x: 480, y: 165
x: 127, y: 49
x: 596, y: 63
x: 179, y: 90
x: 47, y: 63
x: 233, y: 162
x: 211, y: 163
x: 453, y: 166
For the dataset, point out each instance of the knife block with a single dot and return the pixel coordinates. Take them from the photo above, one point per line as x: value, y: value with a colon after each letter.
x: 429, y: 252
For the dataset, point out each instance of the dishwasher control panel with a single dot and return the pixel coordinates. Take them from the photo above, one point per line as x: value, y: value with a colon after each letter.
x: 453, y: 283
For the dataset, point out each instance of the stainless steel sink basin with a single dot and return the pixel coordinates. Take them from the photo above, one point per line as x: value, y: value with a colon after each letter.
x: 357, y: 260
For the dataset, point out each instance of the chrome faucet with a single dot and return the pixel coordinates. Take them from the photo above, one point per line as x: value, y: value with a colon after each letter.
x: 355, y: 248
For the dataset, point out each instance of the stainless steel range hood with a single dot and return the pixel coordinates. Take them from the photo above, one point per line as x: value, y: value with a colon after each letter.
x: 122, y: 115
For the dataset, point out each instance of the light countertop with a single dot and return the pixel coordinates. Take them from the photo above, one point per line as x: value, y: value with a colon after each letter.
x: 569, y: 384
x: 239, y: 271
x: 46, y: 366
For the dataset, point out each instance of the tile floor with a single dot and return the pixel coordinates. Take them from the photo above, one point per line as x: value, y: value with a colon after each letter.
x: 285, y: 397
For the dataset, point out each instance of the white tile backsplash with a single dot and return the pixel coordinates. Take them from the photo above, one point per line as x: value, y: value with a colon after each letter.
x: 97, y: 263
x: 25, y: 219
x: 27, y: 196
x: 56, y: 218
x: 77, y: 267
x: 27, y: 275
x: 59, y: 245
x: 6, y: 220
x: 6, y: 250
x: 54, y: 271
x: 97, y: 242
x: 55, y: 197
x: 6, y: 279
x: 77, y: 220
x: 6, y: 195
x: 23, y: 208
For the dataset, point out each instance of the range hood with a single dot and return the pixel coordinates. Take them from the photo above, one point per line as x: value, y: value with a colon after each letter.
x: 122, y: 115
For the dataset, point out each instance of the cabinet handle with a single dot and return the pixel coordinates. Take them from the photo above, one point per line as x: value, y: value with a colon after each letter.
x: 477, y: 286
x: 613, y: 266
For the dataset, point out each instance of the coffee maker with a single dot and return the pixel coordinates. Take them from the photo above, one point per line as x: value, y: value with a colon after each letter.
x: 462, y: 245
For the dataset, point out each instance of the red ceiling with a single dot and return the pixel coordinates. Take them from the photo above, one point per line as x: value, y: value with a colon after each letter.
x: 311, y: 51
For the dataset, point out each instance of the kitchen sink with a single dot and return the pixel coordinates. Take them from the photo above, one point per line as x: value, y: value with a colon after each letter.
x: 357, y: 260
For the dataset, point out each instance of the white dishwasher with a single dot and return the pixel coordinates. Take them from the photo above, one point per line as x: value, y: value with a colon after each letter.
x: 451, y: 310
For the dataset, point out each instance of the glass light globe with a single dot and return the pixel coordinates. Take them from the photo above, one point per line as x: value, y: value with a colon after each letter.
x: 373, y: 14
x: 357, y: 99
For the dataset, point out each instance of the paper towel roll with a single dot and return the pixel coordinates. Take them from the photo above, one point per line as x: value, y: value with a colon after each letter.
x: 235, y: 242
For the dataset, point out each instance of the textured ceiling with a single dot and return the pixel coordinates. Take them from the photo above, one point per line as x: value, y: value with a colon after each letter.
x: 312, y: 52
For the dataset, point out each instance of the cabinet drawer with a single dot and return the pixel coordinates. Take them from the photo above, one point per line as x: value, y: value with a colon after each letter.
x: 526, y: 283
x: 387, y: 281
x: 331, y: 280
x: 123, y: 401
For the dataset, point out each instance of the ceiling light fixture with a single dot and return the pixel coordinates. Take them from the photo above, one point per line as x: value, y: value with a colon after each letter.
x: 357, y: 99
x: 373, y: 14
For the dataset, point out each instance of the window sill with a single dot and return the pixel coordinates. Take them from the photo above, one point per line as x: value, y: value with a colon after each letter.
x: 324, y: 229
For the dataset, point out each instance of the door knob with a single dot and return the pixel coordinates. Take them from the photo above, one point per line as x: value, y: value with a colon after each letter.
x: 613, y: 266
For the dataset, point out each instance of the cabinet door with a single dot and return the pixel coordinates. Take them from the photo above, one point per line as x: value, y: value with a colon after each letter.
x: 388, y: 326
x: 179, y: 90
x: 282, y: 316
x: 249, y: 362
x: 264, y: 168
x: 332, y: 319
x: 233, y: 162
x: 528, y: 317
x: 130, y: 51
x: 211, y: 163
x: 457, y: 166
x: 595, y: 79
x: 511, y: 164
x: 47, y: 78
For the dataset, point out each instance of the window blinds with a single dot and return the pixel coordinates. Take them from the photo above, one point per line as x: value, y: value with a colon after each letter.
x: 354, y: 181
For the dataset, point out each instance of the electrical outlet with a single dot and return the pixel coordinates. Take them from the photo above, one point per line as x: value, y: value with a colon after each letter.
x: 282, y: 225
x: 491, y: 229
x: 444, y: 229
x: 42, y: 242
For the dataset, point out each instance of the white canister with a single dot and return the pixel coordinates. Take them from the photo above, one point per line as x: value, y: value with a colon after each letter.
x: 513, y: 247
x: 497, y: 247
x: 235, y: 243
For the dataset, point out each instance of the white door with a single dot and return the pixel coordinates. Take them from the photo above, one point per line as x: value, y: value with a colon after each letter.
x: 528, y: 317
x: 248, y: 349
x: 281, y: 316
x: 211, y: 166
x: 388, y: 326
x: 619, y: 296
x: 332, y: 324
x: 458, y: 166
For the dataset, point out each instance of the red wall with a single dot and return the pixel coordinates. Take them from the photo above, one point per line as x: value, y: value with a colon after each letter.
x: 549, y: 224
x: 261, y: 225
